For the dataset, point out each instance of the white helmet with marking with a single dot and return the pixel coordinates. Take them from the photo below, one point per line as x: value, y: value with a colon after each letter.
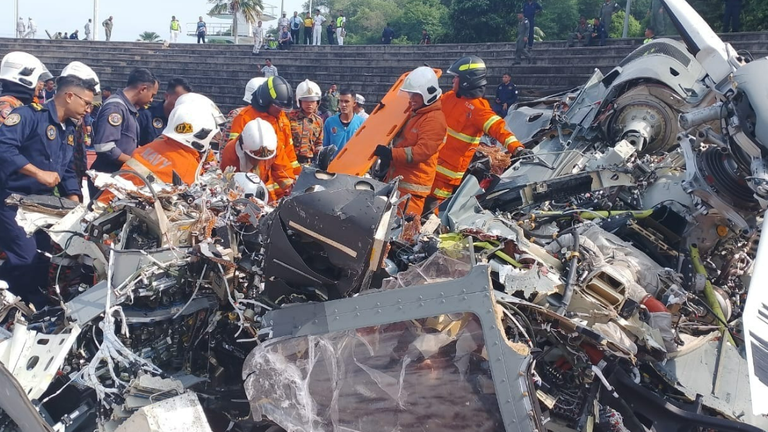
x: 251, y: 87
x: 24, y: 69
x: 193, y: 125
x: 307, y: 90
x: 259, y: 139
x: 203, y: 101
x: 82, y: 71
x: 423, y: 81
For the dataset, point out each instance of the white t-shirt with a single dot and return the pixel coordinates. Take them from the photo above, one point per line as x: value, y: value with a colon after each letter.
x: 269, y: 71
x: 319, y: 20
x: 258, y: 33
x: 282, y: 22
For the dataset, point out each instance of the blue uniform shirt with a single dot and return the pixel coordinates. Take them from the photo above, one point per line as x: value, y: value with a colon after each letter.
x: 115, y: 132
x: 33, y: 135
x: 335, y: 133
x: 152, y: 122
x: 530, y: 9
x: 507, y: 93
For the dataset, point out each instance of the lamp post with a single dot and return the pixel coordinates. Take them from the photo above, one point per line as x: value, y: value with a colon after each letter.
x: 626, y: 19
x: 95, y: 29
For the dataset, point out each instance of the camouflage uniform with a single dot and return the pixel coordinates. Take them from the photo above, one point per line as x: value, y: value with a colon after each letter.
x: 307, y: 134
x: 227, y: 128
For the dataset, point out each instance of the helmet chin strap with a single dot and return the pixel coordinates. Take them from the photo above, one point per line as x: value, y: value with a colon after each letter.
x: 258, y: 107
x: 471, y: 94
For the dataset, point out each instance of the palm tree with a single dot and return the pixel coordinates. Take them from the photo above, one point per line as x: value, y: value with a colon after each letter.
x: 148, y: 36
x: 250, y: 9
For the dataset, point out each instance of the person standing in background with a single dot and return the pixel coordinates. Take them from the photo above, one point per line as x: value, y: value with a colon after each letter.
x: 531, y: 8
x: 296, y: 23
x: 175, y: 29
x: 201, y: 30
x: 88, y: 30
x: 330, y: 31
x: 107, y: 24
x: 387, y: 35
x: 341, y: 31
x: 731, y: 16
x: 21, y: 28
x: 317, y: 29
x: 308, y: 29
x: 31, y: 29
x: 258, y: 38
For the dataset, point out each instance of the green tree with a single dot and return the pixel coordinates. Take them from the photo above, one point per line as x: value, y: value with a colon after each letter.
x: 617, y: 26
x: 431, y: 15
x: 482, y: 20
x: 558, y: 19
x: 148, y: 36
x: 250, y: 9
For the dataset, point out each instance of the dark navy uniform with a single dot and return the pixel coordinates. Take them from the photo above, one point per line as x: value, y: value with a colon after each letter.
x: 32, y: 135
x: 732, y: 16
x: 529, y: 11
x: 505, y: 94
x: 152, y: 122
x: 116, y: 132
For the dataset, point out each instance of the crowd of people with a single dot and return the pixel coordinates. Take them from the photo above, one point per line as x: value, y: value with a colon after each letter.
x: 50, y: 124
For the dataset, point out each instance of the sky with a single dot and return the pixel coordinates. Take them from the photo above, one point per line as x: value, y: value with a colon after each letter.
x: 131, y: 17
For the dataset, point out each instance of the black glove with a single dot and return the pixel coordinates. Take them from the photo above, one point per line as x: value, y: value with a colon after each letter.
x: 383, y: 152
x: 523, y: 152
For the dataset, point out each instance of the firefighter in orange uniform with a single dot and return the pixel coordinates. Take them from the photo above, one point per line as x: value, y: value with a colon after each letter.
x: 414, y: 153
x: 255, y: 151
x: 191, y: 127
x: 268, y: 103
x: 469, y: 116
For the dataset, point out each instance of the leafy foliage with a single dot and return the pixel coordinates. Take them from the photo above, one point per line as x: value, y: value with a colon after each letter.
x: 496, y: 20
x: 148, y: 36
x: 250, y: 9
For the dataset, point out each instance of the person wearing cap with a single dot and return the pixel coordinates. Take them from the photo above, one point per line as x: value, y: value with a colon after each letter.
x: 36, y: 147
x: 283, y: 21
x: 116, y: 128
x: 306, y: 125
x: 20, y: 75
x: 360, y: 107
x: 522, y: 47
x: 270, y: 102
x: 413, y: 155
x: 255, y: 151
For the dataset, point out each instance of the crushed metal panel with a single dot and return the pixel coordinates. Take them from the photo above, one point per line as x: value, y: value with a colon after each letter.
x: 14, y: 402
x: 756, y: 329
x: 726, y: 387
x: 351, y: 333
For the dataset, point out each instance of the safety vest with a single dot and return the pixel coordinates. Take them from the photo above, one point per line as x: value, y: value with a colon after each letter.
x: 174, y: 25
x: 339, y: 21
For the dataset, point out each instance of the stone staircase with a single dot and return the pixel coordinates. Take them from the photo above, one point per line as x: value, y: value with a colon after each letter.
x: 221, y: 71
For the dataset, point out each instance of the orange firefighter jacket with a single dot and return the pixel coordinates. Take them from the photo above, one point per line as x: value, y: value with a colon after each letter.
x: 414, y: 154
x: 162, y: 157
x: 468, y: 120
x: 282, y: 128
x: 270, y: 171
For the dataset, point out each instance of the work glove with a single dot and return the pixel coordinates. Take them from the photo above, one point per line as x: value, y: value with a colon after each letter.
x: 522, y: 152
x: 384, y: 153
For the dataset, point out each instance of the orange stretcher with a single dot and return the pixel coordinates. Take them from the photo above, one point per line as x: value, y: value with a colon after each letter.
x: 381, y: 127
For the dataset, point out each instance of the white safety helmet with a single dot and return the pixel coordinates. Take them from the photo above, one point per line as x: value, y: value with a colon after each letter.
x: 259, y: 139
x: 307, y: 90
x: 23, y: 68
x: 251, y: 185
x: 193, y: 125
x: 359, y: 99
x: 251, y: 87
x: 82, y: 71
x: 202, y: 101
x: 423, y: 81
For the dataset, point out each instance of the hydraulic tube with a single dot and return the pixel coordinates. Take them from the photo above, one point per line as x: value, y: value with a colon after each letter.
x: 709, y: 292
